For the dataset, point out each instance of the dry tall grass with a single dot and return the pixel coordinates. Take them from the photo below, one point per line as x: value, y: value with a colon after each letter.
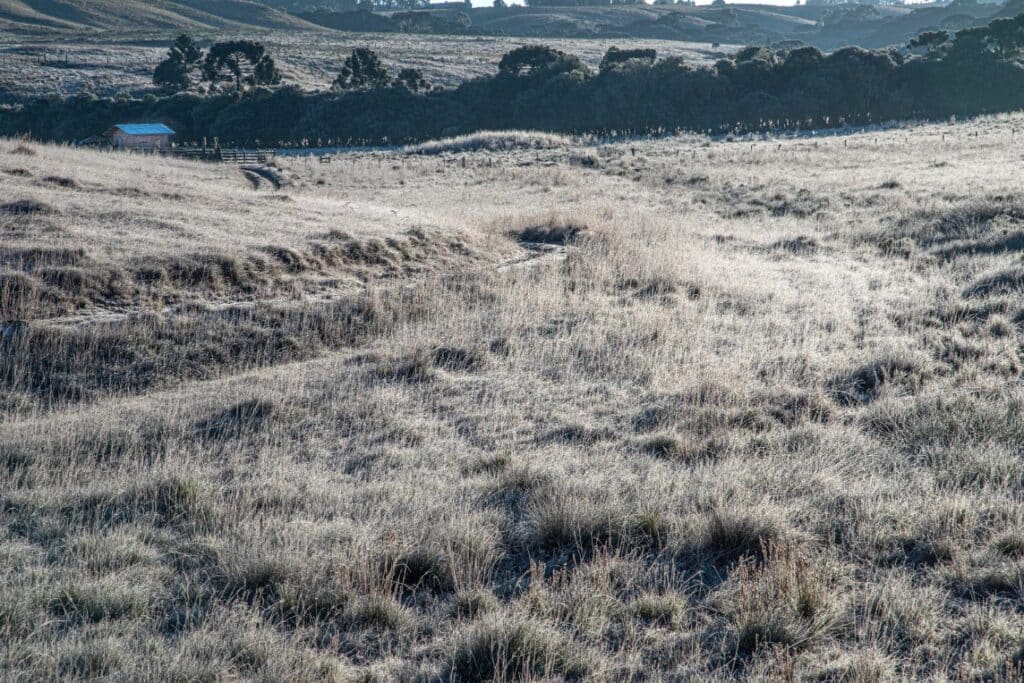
x: 763, y: 420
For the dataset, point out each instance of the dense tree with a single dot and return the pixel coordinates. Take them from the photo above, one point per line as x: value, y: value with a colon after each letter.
x: 174, y: 73
x: 242, y: 62
x: 976, y: 71
x: 171, y: 75
x: 614, y: 57
x: 1005, y: 37
x: 189, y: 50
x: 538, y: 59
x: 412, y: 80
x: 362, y: 70
x: 929, y: 40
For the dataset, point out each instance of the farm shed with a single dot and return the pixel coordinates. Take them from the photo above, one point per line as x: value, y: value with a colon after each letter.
x: 140, y: 136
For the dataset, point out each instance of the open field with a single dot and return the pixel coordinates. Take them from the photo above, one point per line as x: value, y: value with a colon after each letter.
x: 517, y: 408
x: 113, y: 64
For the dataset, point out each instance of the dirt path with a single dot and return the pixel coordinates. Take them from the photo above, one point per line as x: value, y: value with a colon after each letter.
x: 260, y: 175
x: 534, y: 255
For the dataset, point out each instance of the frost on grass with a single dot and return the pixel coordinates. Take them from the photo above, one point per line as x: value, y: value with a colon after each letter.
x: 491, y: 141
x: 739, y: 429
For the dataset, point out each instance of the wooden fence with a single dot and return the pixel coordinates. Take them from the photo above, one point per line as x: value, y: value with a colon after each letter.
x: 230, y: 156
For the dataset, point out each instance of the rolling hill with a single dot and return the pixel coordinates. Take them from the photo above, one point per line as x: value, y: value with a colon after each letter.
x: 122, y: 15
x: 826, y: 27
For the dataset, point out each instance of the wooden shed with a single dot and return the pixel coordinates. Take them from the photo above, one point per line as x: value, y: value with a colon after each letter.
x: 143, y: 136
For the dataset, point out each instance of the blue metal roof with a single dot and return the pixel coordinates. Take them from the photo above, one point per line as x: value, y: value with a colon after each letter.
x: 145, y: 129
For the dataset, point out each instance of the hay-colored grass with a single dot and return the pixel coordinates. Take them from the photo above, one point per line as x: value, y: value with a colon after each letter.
x: 757, y: 415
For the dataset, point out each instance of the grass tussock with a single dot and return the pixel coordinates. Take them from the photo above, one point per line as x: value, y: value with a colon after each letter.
x: 732, y: 534
x: 866, y: 382
x: 25, y: 207
x: 555, y: 229
x: 787, y: 600
x: 514, y: 650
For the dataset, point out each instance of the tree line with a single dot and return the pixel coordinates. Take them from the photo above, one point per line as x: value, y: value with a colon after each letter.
x: 971, y: 72
x: 242, y: 64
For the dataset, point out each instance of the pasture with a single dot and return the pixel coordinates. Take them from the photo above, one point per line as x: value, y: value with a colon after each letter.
x: 517, y: 407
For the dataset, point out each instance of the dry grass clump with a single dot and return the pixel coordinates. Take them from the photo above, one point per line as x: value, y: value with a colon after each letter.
x: 1009, y: 281
x: 514, y: 650
x: 518, y: 419
x: 731, y: 535
x: 968, y: 219
x: 252, y: 415
x: 865, y: 383
x: 554, y: 229
x: 25, y: 207
x: 491, y: 141
x: 788, y: 600
x: 60, y: 181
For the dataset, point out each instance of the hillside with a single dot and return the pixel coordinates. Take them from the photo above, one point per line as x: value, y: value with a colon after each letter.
x: 517, y: 407
x: 140, y: 15
x: 106, y: 66
x: 826, y: 27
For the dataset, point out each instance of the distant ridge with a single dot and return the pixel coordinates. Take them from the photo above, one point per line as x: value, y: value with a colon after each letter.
x: 125, y: 15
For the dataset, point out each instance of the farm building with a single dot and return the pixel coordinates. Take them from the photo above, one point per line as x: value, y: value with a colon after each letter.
x: 140, y: 136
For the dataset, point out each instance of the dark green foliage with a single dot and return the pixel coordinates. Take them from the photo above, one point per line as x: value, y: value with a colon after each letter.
x: 930, y: 40
x: 539, y: 88
x: 412, y: 80
x: 362, y: 70
x: 615, y: 56
x: 243, y: 62
x: 171, y: 75
x: 174, y: 74
x: 538, y: 59
x: 186, y: 46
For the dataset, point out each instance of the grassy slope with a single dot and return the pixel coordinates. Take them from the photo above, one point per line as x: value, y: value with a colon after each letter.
x: 764, y: 421
x: 308, y: 59
x: 140, y: 15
